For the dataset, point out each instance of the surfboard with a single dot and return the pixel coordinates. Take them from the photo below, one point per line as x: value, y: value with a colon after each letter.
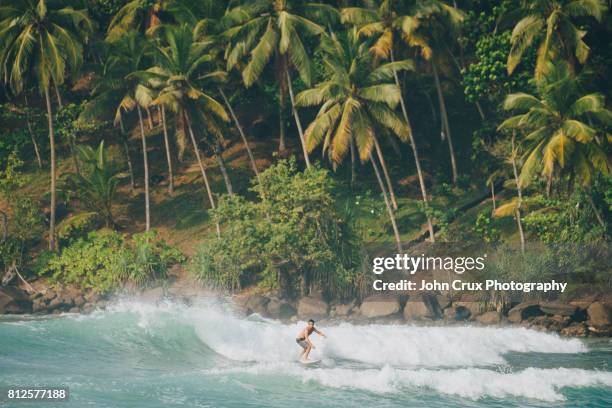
x: 309, y: 362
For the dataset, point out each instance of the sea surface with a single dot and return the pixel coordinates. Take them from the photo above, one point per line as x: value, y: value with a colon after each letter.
x: 137, y: 354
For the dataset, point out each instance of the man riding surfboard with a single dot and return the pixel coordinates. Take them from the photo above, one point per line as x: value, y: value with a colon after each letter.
x: 303, y: 340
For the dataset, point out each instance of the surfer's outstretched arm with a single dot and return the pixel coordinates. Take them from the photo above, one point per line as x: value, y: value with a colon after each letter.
x: 320, y: 333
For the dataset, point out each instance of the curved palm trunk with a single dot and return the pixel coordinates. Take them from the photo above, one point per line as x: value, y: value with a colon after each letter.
x: 223, y: 168
x: 520, y: 196
x: 353, y: 174
x: 381, y: 159
x: 493, y: 196
x: 415, y: 152
x: 52, y: 151
x: 146, y: 169
x: 60, y: 104
x: 150, y: 119
x: 31, y: 132
x: 241, y: 132
x: 126, y: 149
x: 168, y: 155
x: 388, y: 205
x: 196, y: 150
x: 281, y: 120
x: 297, y: 120
x: 444, y: 115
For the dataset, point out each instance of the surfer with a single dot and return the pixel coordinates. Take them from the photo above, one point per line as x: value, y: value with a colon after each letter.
x: 303, y: 339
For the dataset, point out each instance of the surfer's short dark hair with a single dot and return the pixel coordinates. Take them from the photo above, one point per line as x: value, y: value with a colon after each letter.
x: 311, y: 321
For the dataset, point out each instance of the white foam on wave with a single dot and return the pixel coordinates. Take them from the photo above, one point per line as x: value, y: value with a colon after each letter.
x: 471, y: 383
x: 264, y: 340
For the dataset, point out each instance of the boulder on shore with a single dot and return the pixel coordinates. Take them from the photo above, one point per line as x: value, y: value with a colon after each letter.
x: 424, y: 307
x: 257, y: 304
x: 475, y: 307
x: 456, y: 313
x: 559, y: 309
x: 345, y: 309
x: 279, y: 309
x: 575, y: 330
x: 377, y: 306
x: 524, y: 311
x: 14, y: 300
x: 491, y: 317
x: 312, y: 308
x: 600, y: 314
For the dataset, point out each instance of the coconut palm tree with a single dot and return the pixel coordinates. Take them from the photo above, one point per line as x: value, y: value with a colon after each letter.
x: 182, y: 64
x: 144, y: 15
x: 98, y: 181
x: 272, y: 31
x: 552, y: 23
x: 41, y: 40
x: 560, y: 127
x: 357, y: 103
x: 432, y: 27
x: 111, y: 87
x: 387, y: 23
x: 126, y: 93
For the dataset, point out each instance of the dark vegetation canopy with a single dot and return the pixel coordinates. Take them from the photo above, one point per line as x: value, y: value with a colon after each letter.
x: 280, y: 143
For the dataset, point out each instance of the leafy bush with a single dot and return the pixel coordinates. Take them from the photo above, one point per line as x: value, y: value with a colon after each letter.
x: 77, y: 226
x: 97, y: 181
x: 568, y: 220
x: 105, y: 260
x: 22, y: 221
x: 293, y: 238
x: 147, y: 258
x: 484, y: 229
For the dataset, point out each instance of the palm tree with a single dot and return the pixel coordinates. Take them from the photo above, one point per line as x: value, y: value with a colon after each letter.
x: 392, y: 20
x: 272, y: 30
x: 431, y: 28
x: 357, y: 103
x: 98, y: 180
x: 513, y: 208
x: 128, y: 55
x: 552, y: 24
x: 120, y: 58
x: 559, y: 126
x: 181, y: 65
x: 42, y: 39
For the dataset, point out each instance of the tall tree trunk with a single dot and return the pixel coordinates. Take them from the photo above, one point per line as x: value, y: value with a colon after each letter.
x: 223, y: 168
x: 150, y: 119
x: 168, y: 155
x: 126, y: 149
x: 53, y: 175
x: 520, y: 195
x: 241, y: 132
x: 196, y: 150
x: 146, y: 169
x: 58, y: 96
x: 381, y: 159
x: 75, y: 159
x: 297, y: 120
x: 281, y: 120
x: 31, y: 131
x: 493, y: 196
x: 415, y: 153
x: 398, y: 240
x: 595, y: 210
x: 353, y: 174
x: 444, y: 115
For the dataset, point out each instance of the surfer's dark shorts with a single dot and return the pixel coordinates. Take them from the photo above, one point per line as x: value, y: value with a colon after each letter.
x: 302, y: 343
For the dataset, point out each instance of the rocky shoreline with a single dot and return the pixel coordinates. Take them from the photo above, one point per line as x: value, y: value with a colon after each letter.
x: 581, y: 318
x: 578, y: 318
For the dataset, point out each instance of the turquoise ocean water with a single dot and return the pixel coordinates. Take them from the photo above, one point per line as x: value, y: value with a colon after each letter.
x: 169, y: 355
